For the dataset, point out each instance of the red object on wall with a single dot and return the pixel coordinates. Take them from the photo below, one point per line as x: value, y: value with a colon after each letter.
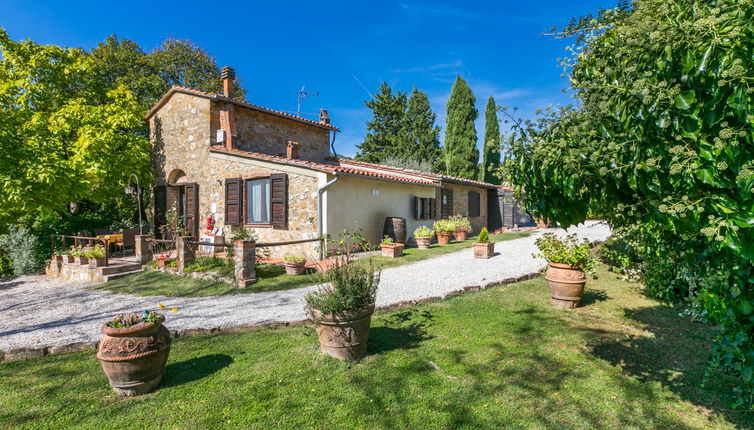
x: 210, y: 222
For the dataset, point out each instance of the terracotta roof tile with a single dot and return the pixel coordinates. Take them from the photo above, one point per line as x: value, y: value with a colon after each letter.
x: 430, y: 175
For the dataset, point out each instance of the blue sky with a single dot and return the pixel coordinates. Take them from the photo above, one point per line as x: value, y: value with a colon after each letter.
x: 343, y: 50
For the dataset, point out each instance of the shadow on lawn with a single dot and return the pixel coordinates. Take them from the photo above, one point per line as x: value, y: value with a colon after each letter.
x: 592, y: 296
x: 401, y: 330
x: 194, y: 369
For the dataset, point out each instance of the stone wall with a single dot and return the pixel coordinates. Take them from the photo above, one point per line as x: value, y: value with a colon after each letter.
x: 461, y: 203
x: 182, y: 136
x: 269, y: 134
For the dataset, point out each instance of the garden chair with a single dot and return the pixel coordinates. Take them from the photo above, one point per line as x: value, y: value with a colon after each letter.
x: 101, y: 231
x: 129, y: 240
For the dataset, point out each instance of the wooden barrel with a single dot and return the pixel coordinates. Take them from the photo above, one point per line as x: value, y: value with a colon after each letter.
x: 395, y: 227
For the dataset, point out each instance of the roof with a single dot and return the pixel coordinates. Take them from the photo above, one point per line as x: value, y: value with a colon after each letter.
x: 221, y: 97
x: 359, y: 168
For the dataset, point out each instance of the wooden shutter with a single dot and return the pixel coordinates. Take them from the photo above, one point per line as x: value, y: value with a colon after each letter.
x: 417, y: 207
x: 279, y: 199
x: 160, y: 207
x: 446, y: 207
x: 432, y: 209
x: 473, y: 203
x: 233, y: 201
x: 191, y: 191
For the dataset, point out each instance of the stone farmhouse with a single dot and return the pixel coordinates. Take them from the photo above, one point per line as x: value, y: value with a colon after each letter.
x: 221, y: 164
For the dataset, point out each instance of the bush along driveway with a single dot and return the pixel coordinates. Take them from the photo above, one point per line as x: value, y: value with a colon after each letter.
x: 66, y: 313
x: 502, y: 358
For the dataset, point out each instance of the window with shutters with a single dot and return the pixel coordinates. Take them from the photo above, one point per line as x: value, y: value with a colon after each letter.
x: 474, y: 203
x: 424, y: 208
x: 258, y: 201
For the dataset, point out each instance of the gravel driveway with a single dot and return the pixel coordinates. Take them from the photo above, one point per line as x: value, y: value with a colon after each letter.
x: 37, y: 311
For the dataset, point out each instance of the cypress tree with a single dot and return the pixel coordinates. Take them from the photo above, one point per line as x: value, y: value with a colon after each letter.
x: 423, y: 136
x: 386, y: 130
x: 491, y: 154
x: 461, y: 153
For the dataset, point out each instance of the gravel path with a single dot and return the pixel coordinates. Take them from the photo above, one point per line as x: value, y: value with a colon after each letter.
x: 37, y: 311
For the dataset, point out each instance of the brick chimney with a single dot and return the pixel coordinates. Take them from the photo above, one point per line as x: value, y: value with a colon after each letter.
x: 292, y: 150
x: 228, y: 75
x: 324, y: 118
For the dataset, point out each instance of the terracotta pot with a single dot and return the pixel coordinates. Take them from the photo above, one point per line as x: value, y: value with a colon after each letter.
x: 294, y: 268
x: 160, y: 263
x: 461, y: 234
x: 392, y: 251
x: 443, y: 237
x: 97, y: 262
x: 566, y: 284
x: 484, y: 250
x: 541, y: 223
x: 84, y: 261
x: 344, y: 336
x: 67, y: 258
x: 423, y: 242
x: 133, y: 358
x: 57, y: 258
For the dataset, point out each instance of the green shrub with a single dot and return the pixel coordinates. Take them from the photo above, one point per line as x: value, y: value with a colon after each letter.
x: 423, y: 231
x: 460, y: 223
x: 22, y: 248
x: 444, y: 226
x: 569, y: 251
x: 484, y: 236
x: 348, y: 287
x: 96, y: 251
x: 6, y: 265
x: 294, y: 259
x: 387, y: 241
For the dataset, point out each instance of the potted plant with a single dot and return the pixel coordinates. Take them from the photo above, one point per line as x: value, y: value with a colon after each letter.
x: 483, y: 248
x: 462, y: 227
x: 133, y: 351
x: 342, y: 307
x: 79, y: 255
x: 96, y: 256
x: 444, y: 230
x: 390, y: 248
x: 423, y: 236
x: 161, y: 260
x: 66, y: 257
x: 294, y: 264
x: 568, y: 263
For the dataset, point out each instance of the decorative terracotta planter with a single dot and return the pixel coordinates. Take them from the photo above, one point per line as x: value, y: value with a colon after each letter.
x: 443, y: 237
x: 97, y: 262
x: 484, y: 250
x: 294, y: 268
x: 423, y: 242
x: 461, y: 234
x: 67, y: 258
x: 133, y: 358
x: 160, y: 263
x: 392, y: 251
x: 84, y: 261
x: 566, y: 284
x: 344, y: 336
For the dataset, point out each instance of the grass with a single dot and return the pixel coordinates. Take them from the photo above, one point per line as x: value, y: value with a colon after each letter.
x: 270, y: 277
x: 502, y: 358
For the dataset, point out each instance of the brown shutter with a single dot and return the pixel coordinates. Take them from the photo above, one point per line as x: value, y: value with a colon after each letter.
x: 417, y: 210
x: 446, y: 208
x: 279, y: 199
x: 233, y: 201
x: 473, y: 203
x: 160, y: 208
x: 192, y: 209
x: 432, y: 209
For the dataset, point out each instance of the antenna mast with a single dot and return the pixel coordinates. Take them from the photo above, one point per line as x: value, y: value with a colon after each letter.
x: 302, y: 94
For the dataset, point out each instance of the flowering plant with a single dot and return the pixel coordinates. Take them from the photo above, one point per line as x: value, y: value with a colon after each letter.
x: 460, y: 222
x: 387, y: 241
x: 294, y: 259
x: 423, y: 231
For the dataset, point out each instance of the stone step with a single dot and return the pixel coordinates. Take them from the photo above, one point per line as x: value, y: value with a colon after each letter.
x: 120, y: 275
x: 120, y: 268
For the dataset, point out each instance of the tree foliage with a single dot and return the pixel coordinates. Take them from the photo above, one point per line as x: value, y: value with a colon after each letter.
x: 663, y: 144
x: 461, y: 153
x: 491, y: 154
x: 423, y: 143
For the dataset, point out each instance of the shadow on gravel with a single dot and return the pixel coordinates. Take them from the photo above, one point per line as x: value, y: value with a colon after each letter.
x: 8, y: 283
x: 194, y: 369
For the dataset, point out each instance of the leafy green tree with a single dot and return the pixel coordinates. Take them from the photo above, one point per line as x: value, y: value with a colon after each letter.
x: 491, y: 154
x: 386, y: 131
x: 423, y: 136
x: 461, y: 153
x: 63, y: 137
x: 663, y: 144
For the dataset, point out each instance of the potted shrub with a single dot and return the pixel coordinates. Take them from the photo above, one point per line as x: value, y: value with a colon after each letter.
x: 96, y: 256
x: 79, y: 255
x: 462, y: 227
x: 390, y: 248
x: 342, y: 307
x: 423, y: 236
x: 483, y: 248
x: 133, y: 351
x: 294, y: 264
x: 444, y: 230
x: 568, y: 263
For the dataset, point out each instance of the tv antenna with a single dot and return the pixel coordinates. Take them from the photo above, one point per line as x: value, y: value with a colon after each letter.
x: 302, y: 94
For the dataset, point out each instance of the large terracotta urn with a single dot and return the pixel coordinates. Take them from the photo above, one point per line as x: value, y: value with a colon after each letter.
x: 566, y: 284
x: 461, y: 234
x: 295, y: 267
x: 133, y: 358
x: 344, y: 336
x: 423, y: 242
x: 443, y: 237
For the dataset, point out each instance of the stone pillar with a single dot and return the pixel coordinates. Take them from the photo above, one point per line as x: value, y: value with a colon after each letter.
x: 244, y: 254
x: 185, y: 253
x: 143, y: 249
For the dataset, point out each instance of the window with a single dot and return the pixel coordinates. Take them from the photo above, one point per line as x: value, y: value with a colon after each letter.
x: 258, y: 201
x: 474, y: 204
x: 446, y: 208
x: 424, y: 208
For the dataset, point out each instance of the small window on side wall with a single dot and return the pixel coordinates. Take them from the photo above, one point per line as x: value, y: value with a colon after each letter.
x: 474, y: 204
x: 424, y: 208
x: 258, y: 201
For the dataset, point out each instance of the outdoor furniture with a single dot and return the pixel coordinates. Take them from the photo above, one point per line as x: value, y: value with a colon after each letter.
x: 112, y: 239
x: 127, y: 239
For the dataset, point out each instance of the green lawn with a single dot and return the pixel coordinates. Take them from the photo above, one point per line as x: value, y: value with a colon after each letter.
x: 270, y: 277
x: 502, y: 358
